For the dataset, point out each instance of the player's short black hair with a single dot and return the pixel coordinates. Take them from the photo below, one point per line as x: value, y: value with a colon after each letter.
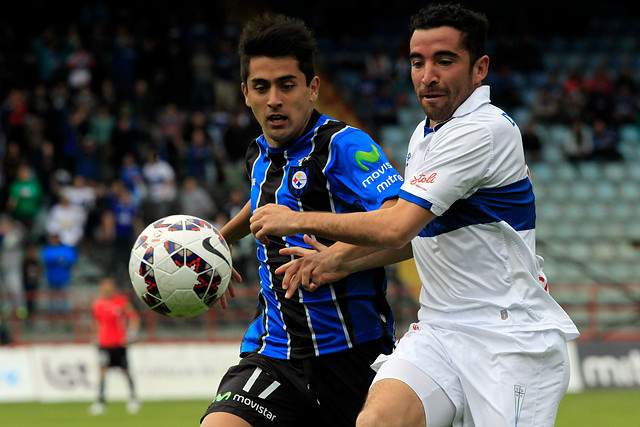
x: 274, y: 36
x: 474, y: 26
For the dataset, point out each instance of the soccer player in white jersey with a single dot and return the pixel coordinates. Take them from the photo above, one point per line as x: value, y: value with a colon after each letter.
x: 489, y: 346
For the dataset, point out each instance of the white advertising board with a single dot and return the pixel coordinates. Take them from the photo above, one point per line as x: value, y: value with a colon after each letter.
x: 69, y: 372
x: 16, y: 375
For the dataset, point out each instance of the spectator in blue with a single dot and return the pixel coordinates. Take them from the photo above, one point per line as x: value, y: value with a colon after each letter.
x: 119, y: 223
x: 58, y: 260
x: 130, y: 174
x: 198, y: 156
x: 605, y: 142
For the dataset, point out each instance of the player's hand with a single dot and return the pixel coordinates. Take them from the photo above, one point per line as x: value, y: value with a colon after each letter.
x: 231, y: 290
x: 274, y: 220
x: 316, y: 267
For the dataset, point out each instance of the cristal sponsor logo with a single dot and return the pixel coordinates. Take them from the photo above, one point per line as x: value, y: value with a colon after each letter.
x: 255, y: 406
x: 380, y: 173
x: 423, y: 179
x: 367, y: 156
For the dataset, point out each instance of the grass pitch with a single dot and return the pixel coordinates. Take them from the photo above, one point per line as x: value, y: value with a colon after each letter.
x: 76, y: 414
x: 588, y: 409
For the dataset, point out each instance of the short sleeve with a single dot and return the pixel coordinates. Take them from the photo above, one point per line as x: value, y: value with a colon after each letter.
x: 359, y: 172
x: 454, y: 167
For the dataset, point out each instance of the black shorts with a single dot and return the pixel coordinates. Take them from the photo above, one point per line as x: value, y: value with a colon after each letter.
x: 113, y: 357
x: 328, y: 390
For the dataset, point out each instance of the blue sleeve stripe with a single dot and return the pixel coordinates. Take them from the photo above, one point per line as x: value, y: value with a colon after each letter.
x: 414, y: 199
x: 513, y: 203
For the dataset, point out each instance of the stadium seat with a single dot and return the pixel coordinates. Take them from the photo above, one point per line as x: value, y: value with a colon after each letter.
x: 632, y: 231
x: 582, y: 191
x: 596, y: 211
x: 633, y: 171
x: 590, y: 230
x: 629, y: 150
x: 614, y: 171
x: 574, y: 211
x: 620, y: 271
x: 627, y: 252
x: 565, y: 173
x: 614, y: 230
x: 630, y: 133
x: 548, y: 212
x: 603, y: 251
x: 605, y: 191
x: 560, y: 192
x: 613, y: 296
x: 590, y: 171
x: 623, y: 211
x: 568, y: 296
x: 617, y: 320
x: 580, y: 250
x: 541, y: 172
x: 629, y: 191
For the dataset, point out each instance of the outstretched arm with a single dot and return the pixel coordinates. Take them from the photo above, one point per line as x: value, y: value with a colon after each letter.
x: 390, y: 228
x: 238, y: 226
x: 232, y: 231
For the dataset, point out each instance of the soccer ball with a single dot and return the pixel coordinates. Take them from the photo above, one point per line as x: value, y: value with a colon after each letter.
x: 180, y: 266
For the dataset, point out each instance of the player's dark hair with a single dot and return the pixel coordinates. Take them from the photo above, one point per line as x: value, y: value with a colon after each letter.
x: 474, y: 26
x: 276, y: 36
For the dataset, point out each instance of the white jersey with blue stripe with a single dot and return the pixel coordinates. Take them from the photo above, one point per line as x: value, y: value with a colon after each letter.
x: 476, y: 259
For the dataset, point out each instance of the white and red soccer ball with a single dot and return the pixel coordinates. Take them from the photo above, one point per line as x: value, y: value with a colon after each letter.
x: 180, y: 265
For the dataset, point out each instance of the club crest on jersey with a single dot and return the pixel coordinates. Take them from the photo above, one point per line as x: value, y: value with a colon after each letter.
x: 298, y: 180
x: 518, y: 391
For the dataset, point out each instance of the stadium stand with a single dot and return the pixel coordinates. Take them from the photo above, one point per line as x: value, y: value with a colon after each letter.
x: 113, y: 79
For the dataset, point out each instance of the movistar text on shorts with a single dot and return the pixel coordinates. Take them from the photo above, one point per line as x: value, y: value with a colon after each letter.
x: 257, y: 407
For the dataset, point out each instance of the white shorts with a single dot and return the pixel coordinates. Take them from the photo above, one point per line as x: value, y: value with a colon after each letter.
x: 493, y: 379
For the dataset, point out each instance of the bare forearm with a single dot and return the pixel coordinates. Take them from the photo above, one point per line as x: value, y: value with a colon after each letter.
x: 238, y: 226
x: 389, y: 228
x: 360, y: 228
x: 379, y: 258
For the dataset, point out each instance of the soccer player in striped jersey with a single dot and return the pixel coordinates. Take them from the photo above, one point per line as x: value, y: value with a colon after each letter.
x: 489, y: 347
x: 305, y: 360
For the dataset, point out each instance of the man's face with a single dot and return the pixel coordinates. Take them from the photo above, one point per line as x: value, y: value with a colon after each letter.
x: 441, y: 72
x: 279, y: 97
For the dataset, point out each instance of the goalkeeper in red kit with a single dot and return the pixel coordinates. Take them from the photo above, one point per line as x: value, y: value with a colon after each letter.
x: 116, y: 321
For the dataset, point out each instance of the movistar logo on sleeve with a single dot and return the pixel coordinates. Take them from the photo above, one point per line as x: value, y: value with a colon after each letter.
x: 367, y: 156
x: 225, y: 396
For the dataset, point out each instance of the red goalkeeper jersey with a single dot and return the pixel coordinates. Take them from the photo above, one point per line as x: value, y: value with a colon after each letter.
x: 111, y: 316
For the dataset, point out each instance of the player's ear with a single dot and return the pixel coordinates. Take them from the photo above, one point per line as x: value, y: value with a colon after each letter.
x: 245, y: 92
x: 480, y: 69
x: 315, y: 88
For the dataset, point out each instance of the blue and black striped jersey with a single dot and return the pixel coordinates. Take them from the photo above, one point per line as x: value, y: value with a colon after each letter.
x: 335, y: 168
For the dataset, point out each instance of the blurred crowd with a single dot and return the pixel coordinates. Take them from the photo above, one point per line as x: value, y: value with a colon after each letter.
x: 105, y: 126
x: 589, y: 83
x: 119, y: 115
